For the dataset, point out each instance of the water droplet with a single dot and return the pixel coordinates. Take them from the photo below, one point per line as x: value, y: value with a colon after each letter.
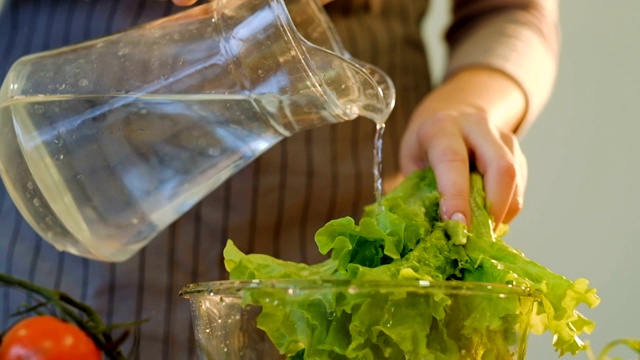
x: 83, y: 82
x: 58, y: 141
x: 30, y: 185
x: 123, y: 52
x: 352, y: 110
x: 39, y: 109
x: 331, y: 314
x: 58, y: 157
x: 261, y: 72
x: 135, y: 220
x: 37, y: 202
x: 80, y: 177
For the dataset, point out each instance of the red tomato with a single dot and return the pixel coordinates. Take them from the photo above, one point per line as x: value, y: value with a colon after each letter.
x: 46, y: 337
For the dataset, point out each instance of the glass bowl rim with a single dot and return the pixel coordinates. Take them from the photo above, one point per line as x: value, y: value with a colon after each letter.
x: 234, y: 287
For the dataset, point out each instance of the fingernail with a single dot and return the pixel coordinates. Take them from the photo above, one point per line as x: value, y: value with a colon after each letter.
x: 459, y: 217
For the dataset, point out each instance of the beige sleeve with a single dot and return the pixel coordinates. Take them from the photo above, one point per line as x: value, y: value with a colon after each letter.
x: 518, y: 37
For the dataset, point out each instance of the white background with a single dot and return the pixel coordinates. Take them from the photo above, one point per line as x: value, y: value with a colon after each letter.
x: 582, y: 208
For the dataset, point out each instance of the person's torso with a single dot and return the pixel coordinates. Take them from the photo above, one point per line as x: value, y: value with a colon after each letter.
x: 273, y: 206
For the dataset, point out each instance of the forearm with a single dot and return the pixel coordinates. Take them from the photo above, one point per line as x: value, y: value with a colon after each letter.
x: 519, y: 38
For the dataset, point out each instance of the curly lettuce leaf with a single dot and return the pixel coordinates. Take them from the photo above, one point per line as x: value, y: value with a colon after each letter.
x: 495, y: 261
x: 404, y: 238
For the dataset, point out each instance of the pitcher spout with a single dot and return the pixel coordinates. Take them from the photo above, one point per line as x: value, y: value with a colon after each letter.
x: 385, y: 87
x: 349, y: 87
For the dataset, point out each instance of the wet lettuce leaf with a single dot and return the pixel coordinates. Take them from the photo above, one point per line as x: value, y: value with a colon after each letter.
x: 403, y: 238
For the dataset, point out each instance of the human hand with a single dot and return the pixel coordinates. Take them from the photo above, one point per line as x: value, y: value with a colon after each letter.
x: 465, y: 123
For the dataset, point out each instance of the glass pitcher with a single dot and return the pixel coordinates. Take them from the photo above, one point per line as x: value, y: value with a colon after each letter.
x: 105, y: 143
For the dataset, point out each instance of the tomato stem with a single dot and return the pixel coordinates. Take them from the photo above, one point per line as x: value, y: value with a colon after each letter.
x: 90, y: 321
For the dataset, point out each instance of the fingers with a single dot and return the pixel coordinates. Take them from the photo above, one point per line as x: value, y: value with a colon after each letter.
x: 450, y: 142
x: 495, y: 161
x: 448, y: 156
x: 520, y: 162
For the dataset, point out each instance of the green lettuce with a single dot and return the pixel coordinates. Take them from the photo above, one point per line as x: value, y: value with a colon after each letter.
x: 402, y: 238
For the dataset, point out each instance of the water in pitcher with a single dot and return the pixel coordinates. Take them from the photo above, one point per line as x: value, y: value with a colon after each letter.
x: 115, y: 170
x: 136, y: 163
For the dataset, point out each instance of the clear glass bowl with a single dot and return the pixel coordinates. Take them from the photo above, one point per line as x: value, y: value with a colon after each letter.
x: 359, y: 319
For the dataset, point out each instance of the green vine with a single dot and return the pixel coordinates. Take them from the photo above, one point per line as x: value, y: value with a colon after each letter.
x: 78, y: 313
